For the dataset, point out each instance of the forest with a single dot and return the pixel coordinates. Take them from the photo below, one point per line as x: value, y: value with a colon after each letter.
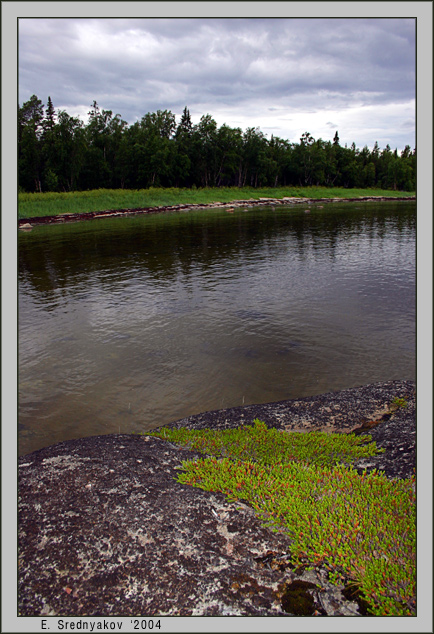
x: 60, y: 153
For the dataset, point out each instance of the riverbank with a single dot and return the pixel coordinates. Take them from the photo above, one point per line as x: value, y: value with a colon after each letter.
x: 29, y: 222
x: 105, y: 529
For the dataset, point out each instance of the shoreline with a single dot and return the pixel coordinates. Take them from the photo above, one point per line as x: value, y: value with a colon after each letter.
x: 28, y: 223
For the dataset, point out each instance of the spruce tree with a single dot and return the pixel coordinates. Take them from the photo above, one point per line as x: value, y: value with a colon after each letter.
x: 49, y: 121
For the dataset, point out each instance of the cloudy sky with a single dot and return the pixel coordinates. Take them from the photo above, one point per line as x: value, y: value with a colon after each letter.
x: 283, y: 75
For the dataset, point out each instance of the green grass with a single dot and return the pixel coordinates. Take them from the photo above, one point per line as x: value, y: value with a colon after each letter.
x: 360, y: 527
x: 55, y: 203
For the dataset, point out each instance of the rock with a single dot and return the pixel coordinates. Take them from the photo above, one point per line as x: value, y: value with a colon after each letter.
x: 75, y: 217
x: 344, y: 411
x: 105, y: 529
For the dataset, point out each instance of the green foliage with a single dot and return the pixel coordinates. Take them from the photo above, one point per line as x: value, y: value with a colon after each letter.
x: 359, y: 527
x: 398, y: 403
x: 271, y: 446
x: 107, y: 152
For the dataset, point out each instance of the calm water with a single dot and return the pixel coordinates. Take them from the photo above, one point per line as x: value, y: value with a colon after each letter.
x: 126, y: 324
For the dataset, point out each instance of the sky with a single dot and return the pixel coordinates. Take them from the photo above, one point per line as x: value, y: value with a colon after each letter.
x: 286, y: 76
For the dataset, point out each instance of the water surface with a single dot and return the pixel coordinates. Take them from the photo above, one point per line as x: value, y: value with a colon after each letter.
x: 129, y: 323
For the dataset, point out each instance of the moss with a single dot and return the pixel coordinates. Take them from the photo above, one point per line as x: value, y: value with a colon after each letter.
x: 360, y: 527
x: 398, y: 403
x: 271, y: 446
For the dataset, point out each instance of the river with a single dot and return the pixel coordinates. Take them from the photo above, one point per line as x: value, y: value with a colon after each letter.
x: 129, y: 323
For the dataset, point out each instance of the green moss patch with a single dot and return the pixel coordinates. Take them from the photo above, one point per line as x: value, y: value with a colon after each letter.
x: 271, y: 446
x: 359, y: 527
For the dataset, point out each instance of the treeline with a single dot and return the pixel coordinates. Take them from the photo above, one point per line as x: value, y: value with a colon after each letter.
x: 58, y: 152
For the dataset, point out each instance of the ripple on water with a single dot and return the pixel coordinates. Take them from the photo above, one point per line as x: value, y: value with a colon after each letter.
x: 148, y: 320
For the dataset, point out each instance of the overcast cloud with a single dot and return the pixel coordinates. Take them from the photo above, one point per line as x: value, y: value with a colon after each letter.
x: 286, y: 76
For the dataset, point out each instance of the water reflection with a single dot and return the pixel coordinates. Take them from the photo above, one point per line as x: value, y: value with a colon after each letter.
x: 130, y: 323
x: 163, y: 245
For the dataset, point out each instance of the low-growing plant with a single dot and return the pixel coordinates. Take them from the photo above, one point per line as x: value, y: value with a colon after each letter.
x: 398, y: 402
x: 271, y: 446
x: 360, y: 527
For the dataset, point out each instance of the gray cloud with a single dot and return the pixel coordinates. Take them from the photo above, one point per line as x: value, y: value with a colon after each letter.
x: 244, y: 72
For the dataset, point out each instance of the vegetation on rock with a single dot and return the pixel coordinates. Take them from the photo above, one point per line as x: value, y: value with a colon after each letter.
x: 360, y: 527
x: 271, y: 446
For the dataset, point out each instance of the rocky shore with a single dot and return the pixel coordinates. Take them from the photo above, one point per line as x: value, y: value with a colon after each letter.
x: 28, y: 223
x: 105, y: 530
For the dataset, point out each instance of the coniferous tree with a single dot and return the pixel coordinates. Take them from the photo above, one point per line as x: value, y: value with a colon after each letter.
x: 30, y: 117
x: 60, y: 152
x: 50, y: 116
x: 71, y: 145
x: 183, y: 151
x: 50, y: 180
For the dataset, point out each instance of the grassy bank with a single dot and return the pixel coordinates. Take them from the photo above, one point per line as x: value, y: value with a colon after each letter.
x: 53, y: 203
x: 359, y: 527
